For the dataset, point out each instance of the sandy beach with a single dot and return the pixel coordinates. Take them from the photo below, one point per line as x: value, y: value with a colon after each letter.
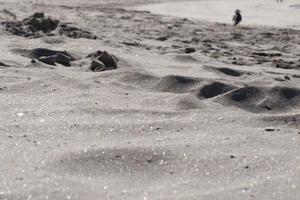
x: 283, y: 14
x: 104, y: 100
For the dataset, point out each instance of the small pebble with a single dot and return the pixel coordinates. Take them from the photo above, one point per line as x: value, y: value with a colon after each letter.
x: 270, y: 129
x: 190, y: 50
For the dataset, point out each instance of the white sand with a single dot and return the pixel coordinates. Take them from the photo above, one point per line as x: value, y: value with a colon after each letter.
x: 254, y: 12
x: 220, y: 123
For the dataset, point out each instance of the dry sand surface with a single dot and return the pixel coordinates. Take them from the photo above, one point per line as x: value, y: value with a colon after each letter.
x: 177, y: 108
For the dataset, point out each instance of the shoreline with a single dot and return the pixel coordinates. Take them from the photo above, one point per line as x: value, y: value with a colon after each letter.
x: 169, y: 8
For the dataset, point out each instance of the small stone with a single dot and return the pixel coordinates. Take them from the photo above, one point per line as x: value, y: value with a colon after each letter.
x: 267, y: 107
x: 232, y: 156
x: 189, y: 50
x: 162, y: 38
x: 270, y: 129
x: 287, y: 78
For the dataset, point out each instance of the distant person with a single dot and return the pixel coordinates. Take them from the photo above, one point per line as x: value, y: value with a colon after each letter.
x: 237, y: 18
x: 279, y: 1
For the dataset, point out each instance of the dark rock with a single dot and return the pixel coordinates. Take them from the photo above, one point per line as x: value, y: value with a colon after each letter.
x: 104, y: 61
x: 51, y: 57
x: 270, y: 129
x: 3, y: 64
x: 108, y: 60
x: 33, y: 61
x: 38, y: 15
x: 74, y: 32
x: 134, y: 44
x: 163, y: 38
x: 50, y: 60
x: 267, y: 107
x: 43, y: 24
x: 38, y: 25
x: 189, y: 50
x: 269, y: 54
x: 33, y: 29
x: 97, y: 66
x: 43, y: 52
x: 280, y: 63
x: 63, y: 59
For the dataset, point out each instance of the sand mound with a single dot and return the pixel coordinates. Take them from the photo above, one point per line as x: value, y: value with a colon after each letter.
x: 262, y: 99
x: 229, y: 72
x: 125, y: 162
x: 130, y: 79
x: 142, y: 80
x: 184, y: 58
x: 46, y: 85
x: 226, y: 71
x: 186, y: 102
x: 214, y: 89
x: 292, y: 120
x: 176, y: 84
x: 39, y: 25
